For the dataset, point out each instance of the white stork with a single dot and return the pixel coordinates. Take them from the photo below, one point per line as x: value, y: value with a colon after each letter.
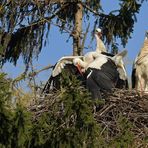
x: 67, y: 62
x: 100, y: 63
x: 102, y: 73
x: 140, y: 69
x: 87, y: 58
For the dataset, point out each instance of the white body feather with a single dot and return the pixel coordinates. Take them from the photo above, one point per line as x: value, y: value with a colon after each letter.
x: 141, y: 67
x: 98, y: 62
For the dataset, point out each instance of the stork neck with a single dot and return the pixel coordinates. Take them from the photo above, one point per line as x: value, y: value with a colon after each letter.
x: 100, y: 47
x: 97, y: 43
x: 143, y: 52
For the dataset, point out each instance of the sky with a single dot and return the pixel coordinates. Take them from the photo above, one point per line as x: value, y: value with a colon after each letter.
x: 57, y: 46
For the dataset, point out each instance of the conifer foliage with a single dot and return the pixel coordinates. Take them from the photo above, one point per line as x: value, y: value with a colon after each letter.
x: 70, y: 122
x: 5, y: 113
x: 14, y: 121
x: 65, y: 118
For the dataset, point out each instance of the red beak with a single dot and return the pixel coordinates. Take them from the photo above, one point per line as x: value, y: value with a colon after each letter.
x: 79, y: 69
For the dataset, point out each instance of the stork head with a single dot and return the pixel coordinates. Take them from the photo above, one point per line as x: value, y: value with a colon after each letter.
x: 98, y: 32
x: 79, y: 64
x: 76, y: 61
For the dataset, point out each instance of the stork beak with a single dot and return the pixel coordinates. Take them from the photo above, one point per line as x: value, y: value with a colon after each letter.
x: 79, y: 69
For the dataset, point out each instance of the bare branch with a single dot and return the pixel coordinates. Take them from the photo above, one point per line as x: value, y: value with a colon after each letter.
x: 91, y: 10
x: 32, y: 74
x: 23, y: 75
x: 44, y: 20
x: 84, y: 37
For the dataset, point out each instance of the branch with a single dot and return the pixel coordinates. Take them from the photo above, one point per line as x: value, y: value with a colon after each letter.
x: 31, y: 74
x: 66, y: 30
x: 85, y: 35
x: 93, y: 11
x: 46, y: 19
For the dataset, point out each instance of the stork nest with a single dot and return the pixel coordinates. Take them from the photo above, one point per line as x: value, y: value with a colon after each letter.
x: 125, y: 103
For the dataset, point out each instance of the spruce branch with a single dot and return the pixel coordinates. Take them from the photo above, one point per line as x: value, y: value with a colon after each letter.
x: 23, y: 75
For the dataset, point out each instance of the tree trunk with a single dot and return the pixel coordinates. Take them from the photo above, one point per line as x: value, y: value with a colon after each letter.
x: 77, y: 48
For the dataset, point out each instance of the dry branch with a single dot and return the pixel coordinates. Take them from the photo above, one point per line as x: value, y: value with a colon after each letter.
x: 125, y: 103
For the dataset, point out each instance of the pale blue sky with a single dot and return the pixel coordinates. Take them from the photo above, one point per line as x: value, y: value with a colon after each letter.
x: 58, y: 47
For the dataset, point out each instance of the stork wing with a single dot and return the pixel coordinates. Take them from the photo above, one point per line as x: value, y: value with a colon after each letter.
x: 118, y: 57
x: 62, y: 62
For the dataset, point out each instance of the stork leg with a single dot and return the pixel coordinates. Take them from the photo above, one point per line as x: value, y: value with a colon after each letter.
x: 140, y: 85
x: 145, y: 81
